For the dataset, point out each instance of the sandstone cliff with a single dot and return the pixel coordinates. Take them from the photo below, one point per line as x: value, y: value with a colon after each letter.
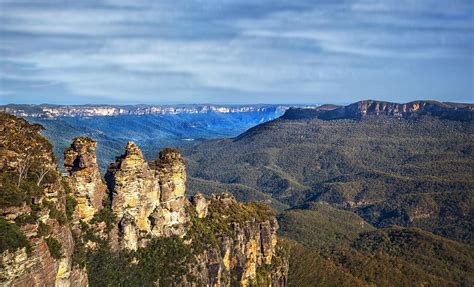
x: 247, y: 252
x: 147, y: 201
x: 229, y: 242
x: 51, y: 111
x: 36, y: 241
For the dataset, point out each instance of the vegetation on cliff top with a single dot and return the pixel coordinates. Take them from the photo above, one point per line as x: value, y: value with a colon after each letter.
x: 165, y: 259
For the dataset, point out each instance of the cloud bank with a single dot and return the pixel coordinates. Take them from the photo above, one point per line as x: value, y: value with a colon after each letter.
x: 125, y: 51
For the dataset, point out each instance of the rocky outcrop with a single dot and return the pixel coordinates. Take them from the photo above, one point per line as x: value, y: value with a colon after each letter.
x: 200, y: 204
x: 88, y: 187
x: 37, y: 243
x: 249, y: 246
x: 135, y: 195
x: 170, y: 216
x: 148, y: 201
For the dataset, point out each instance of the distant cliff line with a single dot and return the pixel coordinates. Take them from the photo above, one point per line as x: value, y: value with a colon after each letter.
x: 361, y: 109
x: 52, y: 111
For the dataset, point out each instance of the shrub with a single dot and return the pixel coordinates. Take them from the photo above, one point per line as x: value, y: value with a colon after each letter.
x: 54, y: 247
x: 43, y: 229
x: 25, y: 219
x: 105, y: 215
x: 70, y: 205
x: 10, y: 195
x: 12, y: 238
x: 54, y: 212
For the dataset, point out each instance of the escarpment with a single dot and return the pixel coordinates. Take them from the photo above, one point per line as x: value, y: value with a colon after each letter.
x: 358, y: 110
x: 136, y: 227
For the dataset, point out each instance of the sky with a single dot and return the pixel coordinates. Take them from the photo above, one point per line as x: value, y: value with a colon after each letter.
x: 235, y: 52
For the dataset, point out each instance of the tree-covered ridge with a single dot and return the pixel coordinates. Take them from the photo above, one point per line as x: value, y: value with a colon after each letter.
x: 406, y: 256
x: 349, y: 182
x: 410, y: 172
x: 321, y: 225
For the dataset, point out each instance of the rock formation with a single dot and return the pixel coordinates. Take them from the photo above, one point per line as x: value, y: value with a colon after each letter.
x: 88, y: 188
x: 249, y: 246
x: 170, y: 216
x: 37, y: 244
x: 201, y: 204
x: 148, y: 201
x: 219, y: 241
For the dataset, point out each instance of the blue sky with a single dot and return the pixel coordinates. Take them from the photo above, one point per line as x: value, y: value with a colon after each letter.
x: 226, y: 51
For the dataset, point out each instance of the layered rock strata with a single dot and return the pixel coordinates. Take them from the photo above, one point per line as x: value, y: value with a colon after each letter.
x: 371, y: 108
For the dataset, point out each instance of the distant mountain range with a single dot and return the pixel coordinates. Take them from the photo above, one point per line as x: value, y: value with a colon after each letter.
x: 451, y: 111
x: 53, y: 111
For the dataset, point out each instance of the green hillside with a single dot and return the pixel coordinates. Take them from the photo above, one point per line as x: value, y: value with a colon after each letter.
x: 386, y: 257
x: 409, y: 172
x: 320, y: 225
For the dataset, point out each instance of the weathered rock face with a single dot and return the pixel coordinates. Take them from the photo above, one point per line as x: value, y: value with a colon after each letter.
x: 135, y: 195
x: 201, y: 204
x: 148, y: 201
x: 88, y: 187
x: 43, y: 256
x: 246, y: 253
x: 170, y: 216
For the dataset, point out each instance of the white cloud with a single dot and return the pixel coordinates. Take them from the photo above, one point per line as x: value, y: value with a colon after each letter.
x: 148, y: 50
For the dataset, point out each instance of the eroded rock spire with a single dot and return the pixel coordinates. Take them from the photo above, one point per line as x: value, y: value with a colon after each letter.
x: 87, y: 184
x: 148, y: 201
